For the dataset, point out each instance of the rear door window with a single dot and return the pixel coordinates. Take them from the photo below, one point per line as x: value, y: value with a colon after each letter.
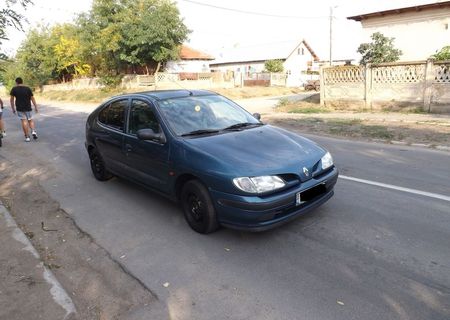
x: 114, y: 115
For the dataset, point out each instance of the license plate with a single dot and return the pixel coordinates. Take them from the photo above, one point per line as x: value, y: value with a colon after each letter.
x: 309, y: 194
x: 298, y: 199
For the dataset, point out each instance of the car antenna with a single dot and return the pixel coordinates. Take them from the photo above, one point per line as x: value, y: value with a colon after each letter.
x: 190, y: 92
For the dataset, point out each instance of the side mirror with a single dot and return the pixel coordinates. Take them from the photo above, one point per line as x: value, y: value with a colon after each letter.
x: 257, y: 116
x: 149, y: 134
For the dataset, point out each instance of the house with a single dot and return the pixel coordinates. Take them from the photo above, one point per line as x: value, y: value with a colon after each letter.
x: 419, y: 31
x: 297, y: 57
x: 191, y: 61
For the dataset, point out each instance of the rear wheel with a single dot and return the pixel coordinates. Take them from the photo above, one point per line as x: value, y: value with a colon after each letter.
x: 98, y: 166
x: 198, y: 207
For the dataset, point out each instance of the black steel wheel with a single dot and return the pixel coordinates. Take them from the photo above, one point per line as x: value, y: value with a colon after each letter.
x: 98, y: 166
x: 198, y: 207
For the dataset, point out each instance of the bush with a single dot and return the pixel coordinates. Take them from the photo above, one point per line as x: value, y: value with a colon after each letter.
x: 274, y: 66
x: 110, y: 81
x: 443, y: 54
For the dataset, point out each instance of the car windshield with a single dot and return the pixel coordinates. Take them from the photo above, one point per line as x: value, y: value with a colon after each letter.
x: 210, y: 114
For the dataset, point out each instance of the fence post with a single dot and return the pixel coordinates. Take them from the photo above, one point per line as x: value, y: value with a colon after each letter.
x: 322, y: 86
x: 428, y: 84
x: 368, y: 86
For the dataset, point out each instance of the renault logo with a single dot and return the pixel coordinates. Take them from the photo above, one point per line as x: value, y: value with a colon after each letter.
x: 306, y: 171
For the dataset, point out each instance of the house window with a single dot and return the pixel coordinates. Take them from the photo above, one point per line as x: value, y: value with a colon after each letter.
x: 446, y: 26
x: 301, y: 51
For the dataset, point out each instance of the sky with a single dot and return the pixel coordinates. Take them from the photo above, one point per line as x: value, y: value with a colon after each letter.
x: 218, y: 25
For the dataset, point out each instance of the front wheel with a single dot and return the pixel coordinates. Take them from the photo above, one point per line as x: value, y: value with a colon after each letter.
x: 198, y: 207
x: 98, y: 166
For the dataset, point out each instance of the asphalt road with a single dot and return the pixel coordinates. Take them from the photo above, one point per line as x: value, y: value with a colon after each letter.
x: 369, y: 253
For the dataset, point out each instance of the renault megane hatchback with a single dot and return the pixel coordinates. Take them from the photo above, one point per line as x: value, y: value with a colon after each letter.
x: 223, y: 165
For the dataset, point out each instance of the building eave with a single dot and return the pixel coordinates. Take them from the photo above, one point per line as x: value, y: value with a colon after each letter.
x: 424, y: 7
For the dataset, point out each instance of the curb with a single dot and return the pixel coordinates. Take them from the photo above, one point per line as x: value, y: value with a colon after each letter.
x: 59, y: 295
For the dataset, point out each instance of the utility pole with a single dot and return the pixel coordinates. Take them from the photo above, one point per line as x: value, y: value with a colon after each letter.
x: 331, y: 34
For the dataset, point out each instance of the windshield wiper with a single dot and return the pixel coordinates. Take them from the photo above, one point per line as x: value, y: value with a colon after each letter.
x: 242, y: 125
x: 199, y: 132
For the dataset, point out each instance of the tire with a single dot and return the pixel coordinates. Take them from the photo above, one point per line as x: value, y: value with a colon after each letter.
x: 198, y: 207
x: 98, y: 166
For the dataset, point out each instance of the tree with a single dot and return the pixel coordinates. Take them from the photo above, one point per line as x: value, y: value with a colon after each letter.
x: 99, y: 37
x: 65, y: 45
x: 380, y: 50
x: 10, y: 18
x: 274, y: 66
x: 152, y: 31
x: 443, y: 54
x: 36, y: 57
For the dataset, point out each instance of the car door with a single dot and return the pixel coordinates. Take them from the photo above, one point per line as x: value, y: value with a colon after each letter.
x: 110, y: 135
x: 147, y: 161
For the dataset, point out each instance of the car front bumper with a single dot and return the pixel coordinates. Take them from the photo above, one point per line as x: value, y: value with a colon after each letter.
x: 254, y: 213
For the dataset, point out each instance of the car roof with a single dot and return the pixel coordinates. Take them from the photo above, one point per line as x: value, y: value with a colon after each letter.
x: 170, y: 94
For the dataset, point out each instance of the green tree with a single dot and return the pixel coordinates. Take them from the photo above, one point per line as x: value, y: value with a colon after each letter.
x: 36, y: 58
x: 274, y: 66
x: 151, y: 31
x: 100, y: 36
x: 380, y: 50
x: 443, y: 54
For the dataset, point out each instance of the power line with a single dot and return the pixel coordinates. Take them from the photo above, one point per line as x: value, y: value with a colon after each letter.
x: 252, y: 12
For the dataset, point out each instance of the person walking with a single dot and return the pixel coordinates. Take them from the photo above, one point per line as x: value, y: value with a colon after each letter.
x: 21, y: 98
x: 2, y: 125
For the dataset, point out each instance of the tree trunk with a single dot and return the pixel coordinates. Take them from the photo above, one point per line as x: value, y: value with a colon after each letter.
x: 157, y: 67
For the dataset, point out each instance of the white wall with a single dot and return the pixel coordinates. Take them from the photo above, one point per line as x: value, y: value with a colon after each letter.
x: 187, y: 66
x: 296, y: 64
x: 417, y: 34
x: 245, y: 67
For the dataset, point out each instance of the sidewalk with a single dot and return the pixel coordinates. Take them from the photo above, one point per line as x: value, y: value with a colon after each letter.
x: 25, y: 279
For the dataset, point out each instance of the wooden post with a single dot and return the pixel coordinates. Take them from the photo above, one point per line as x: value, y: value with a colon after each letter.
x: 368, y: 86
x: 322, y: 87
x: 428, y: 85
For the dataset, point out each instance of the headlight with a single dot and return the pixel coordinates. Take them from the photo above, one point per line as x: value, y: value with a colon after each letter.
x: 327, y: 161
x: 259, y: 184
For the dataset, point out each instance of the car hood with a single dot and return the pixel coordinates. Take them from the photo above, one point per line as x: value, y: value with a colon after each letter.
x: 259, y: 151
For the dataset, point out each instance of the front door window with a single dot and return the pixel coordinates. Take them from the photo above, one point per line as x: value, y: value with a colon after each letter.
x: 142, y: 117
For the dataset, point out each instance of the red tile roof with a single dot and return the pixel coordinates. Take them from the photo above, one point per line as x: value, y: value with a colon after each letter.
x: 187, y: 53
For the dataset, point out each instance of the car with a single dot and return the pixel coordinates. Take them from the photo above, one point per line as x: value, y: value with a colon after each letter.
x: 222, y: 164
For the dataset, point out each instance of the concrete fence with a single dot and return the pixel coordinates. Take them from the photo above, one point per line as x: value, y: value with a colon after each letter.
x: 424, y: 84
x: 163, y: 80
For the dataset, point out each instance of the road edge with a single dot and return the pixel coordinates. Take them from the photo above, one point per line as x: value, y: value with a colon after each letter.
x: 59, y: 295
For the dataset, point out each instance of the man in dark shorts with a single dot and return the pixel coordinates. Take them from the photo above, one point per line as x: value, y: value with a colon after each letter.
x: 23, y: 97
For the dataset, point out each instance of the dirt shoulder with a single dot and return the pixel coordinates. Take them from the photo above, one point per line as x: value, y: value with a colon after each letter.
x: 408, y: 126
x: 100, y: 287
x: 389, y: 128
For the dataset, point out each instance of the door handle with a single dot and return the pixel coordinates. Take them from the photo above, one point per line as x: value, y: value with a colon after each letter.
x: 128, y: 148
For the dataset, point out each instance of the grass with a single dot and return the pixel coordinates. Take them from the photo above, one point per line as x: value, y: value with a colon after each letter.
x: 91, y: 95
x: 98, y: 95
x: 357, y: 128
x: 310, y: 105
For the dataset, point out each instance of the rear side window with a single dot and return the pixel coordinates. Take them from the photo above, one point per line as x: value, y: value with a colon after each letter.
x: 114, y: 115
